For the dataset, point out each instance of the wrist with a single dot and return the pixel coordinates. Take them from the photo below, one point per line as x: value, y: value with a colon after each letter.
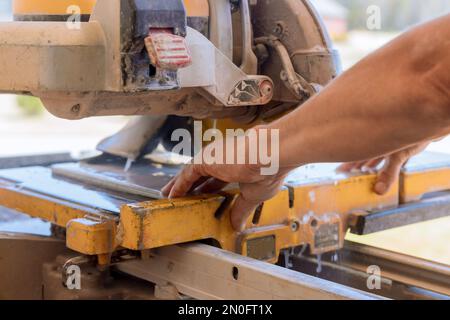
x: 262, y: 150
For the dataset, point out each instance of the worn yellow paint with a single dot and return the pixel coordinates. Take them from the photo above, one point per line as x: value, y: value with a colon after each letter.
x: 414, y: 185
x: 197, y: 8
x: 164, y: 222
x: 343, y: 196
x: 333, y: 202
x: 275, y: 212
x: 91, y: 237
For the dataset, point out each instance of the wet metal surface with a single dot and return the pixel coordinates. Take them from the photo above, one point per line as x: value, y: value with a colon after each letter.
x: 143, y: 178
x: 41, y: 180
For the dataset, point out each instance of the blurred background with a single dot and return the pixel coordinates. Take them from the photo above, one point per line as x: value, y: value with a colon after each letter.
x: 26, y: 128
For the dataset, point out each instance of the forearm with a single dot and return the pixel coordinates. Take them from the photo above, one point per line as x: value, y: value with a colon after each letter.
x: 394, y: 98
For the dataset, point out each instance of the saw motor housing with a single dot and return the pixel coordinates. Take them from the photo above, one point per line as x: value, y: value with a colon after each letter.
x: 103, y: 66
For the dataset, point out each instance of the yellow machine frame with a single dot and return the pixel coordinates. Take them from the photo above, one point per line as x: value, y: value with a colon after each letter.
x: 290, y: 219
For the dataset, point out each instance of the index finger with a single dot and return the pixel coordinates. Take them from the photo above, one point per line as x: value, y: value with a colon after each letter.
x: 185, y: 181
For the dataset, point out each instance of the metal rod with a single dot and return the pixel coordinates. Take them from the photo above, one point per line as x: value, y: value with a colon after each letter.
x: 204, y: 272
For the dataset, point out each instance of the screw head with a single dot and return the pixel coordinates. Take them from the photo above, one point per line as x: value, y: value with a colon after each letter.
x: 314, y: 223
x: 266, y: 88
x: 280, y: 28
x: 76, y: 108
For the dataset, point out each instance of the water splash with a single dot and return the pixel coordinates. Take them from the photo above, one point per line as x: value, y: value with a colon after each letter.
x: 287, y: 260
x: 335, y: 257
x: 302, y: 251
x: 319, y: 264
x: 128, y: 165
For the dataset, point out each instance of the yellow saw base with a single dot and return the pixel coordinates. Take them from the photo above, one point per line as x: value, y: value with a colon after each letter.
x: 315, y: 208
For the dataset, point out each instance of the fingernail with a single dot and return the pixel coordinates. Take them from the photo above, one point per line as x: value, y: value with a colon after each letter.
x: 381, y: 188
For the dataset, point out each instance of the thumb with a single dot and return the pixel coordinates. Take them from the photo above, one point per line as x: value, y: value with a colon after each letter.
x: 388, y: 175
x: 241, y: 211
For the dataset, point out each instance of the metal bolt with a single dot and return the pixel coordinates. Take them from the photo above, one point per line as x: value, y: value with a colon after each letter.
x: 279, y: 28
x: 266, y: 88
x: 76, y: 108
x: 295, y: 226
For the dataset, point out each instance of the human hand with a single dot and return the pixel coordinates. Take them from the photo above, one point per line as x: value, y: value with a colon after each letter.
x: 390, y: 172
x: 255, y: 188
